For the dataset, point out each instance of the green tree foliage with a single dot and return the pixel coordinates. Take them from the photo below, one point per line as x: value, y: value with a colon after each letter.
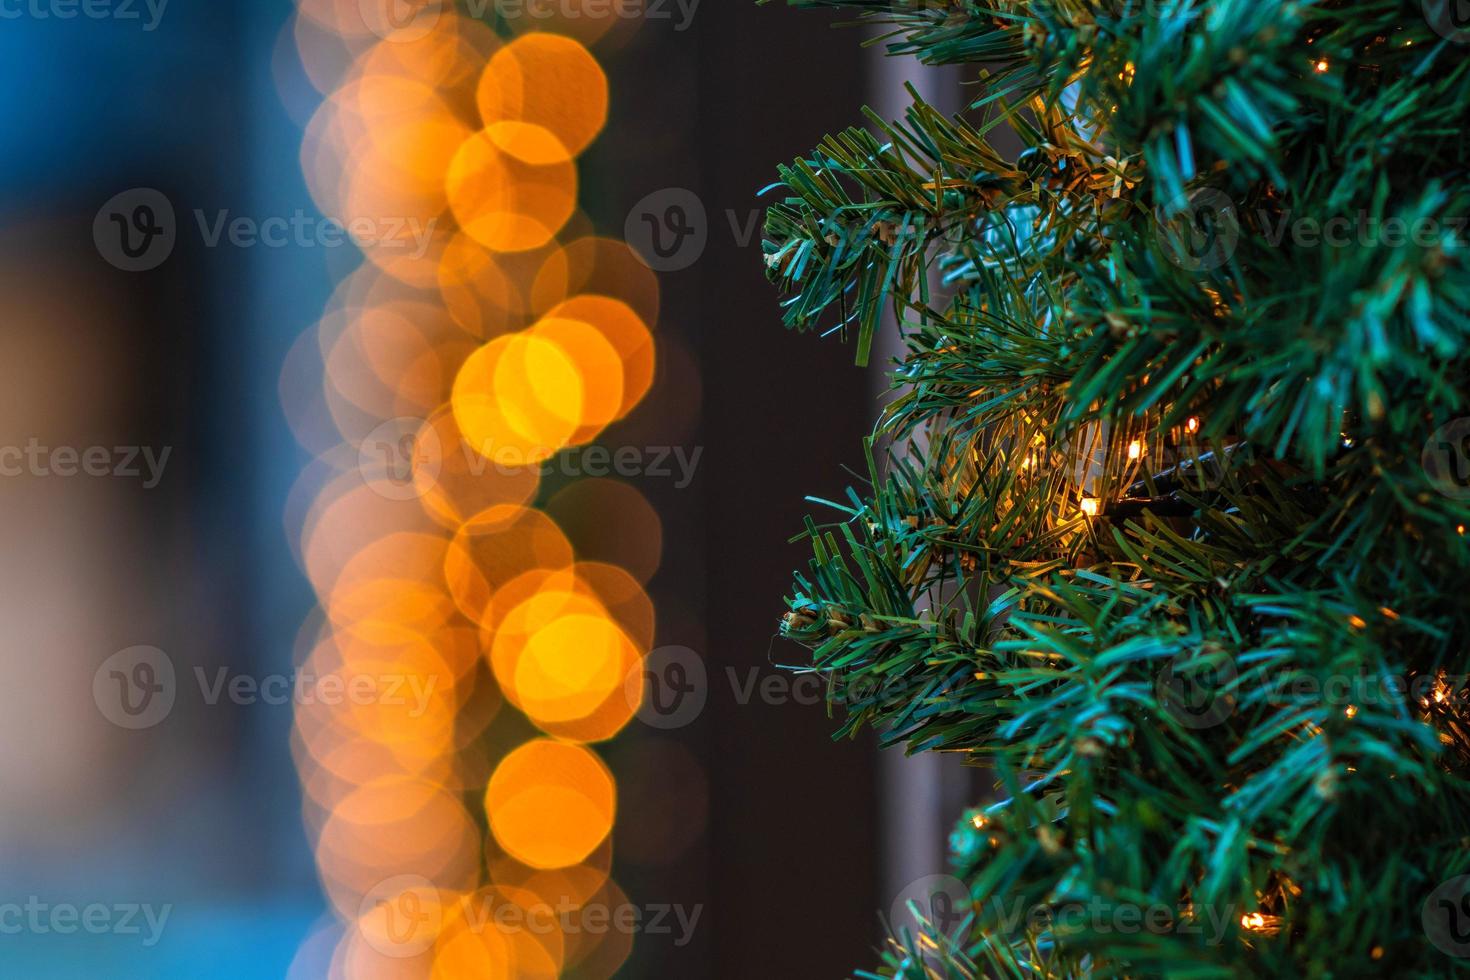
x: 1169, y: 527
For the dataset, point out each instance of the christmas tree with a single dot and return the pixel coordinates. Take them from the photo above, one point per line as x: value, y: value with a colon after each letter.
x: 1165, y: 521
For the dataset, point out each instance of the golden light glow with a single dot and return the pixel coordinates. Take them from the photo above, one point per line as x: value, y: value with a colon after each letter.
x: 1191, y: 424
x: 1321, y: 65
x: 599, y: 369
x: 504, y: 202
x: 550, y: 83
x: 550, y: 804
x: 518, y: 400
x: 495, y: 548
x: 1091, y: 506
x: 1135, y: 450
x: 617, y: 322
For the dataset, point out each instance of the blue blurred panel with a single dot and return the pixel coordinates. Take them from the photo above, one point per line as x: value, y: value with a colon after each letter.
x: 92, y: 106
x: 91, y: 95
x: 223, y: 943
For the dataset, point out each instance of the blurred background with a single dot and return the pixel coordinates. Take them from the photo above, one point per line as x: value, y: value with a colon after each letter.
x: 164, y: 813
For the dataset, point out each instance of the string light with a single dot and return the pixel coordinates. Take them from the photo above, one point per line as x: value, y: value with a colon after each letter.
x: 1351, y: 711
x: 1135, y: 450
x: 1321, y: 65
x: 1091, y: 506
x: 1258, y: 923
x: 1191, y: 424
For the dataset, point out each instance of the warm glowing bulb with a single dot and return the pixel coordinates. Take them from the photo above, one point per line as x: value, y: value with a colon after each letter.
x: 1090, y: 506
x: 1352, y: 711
x: 1461, y: 529
x: 1253, y: 920
x: 1321, y: 65
x: 978, y: 820
x: 1135, y: 450
x: 1191, y: 424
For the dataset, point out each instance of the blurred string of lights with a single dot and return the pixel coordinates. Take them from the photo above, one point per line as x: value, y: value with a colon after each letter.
x: 486, y: 329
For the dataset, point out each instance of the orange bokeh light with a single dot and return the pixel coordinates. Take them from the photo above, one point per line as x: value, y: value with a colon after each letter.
x: 503, y: 202
x: 550, y: 803
x: 548, y: 82
x: 519, y: 399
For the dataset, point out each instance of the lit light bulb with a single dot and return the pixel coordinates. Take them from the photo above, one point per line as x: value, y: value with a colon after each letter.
x: 1090, y: 506
x: 1135, y: 450
x: 1191, y: 424
x: 1321, y: 65
x: 1253, y: 920
x: 1351, y: 711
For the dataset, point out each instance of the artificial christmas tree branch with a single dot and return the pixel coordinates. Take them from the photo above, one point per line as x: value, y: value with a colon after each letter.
x: 1159, y: 544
